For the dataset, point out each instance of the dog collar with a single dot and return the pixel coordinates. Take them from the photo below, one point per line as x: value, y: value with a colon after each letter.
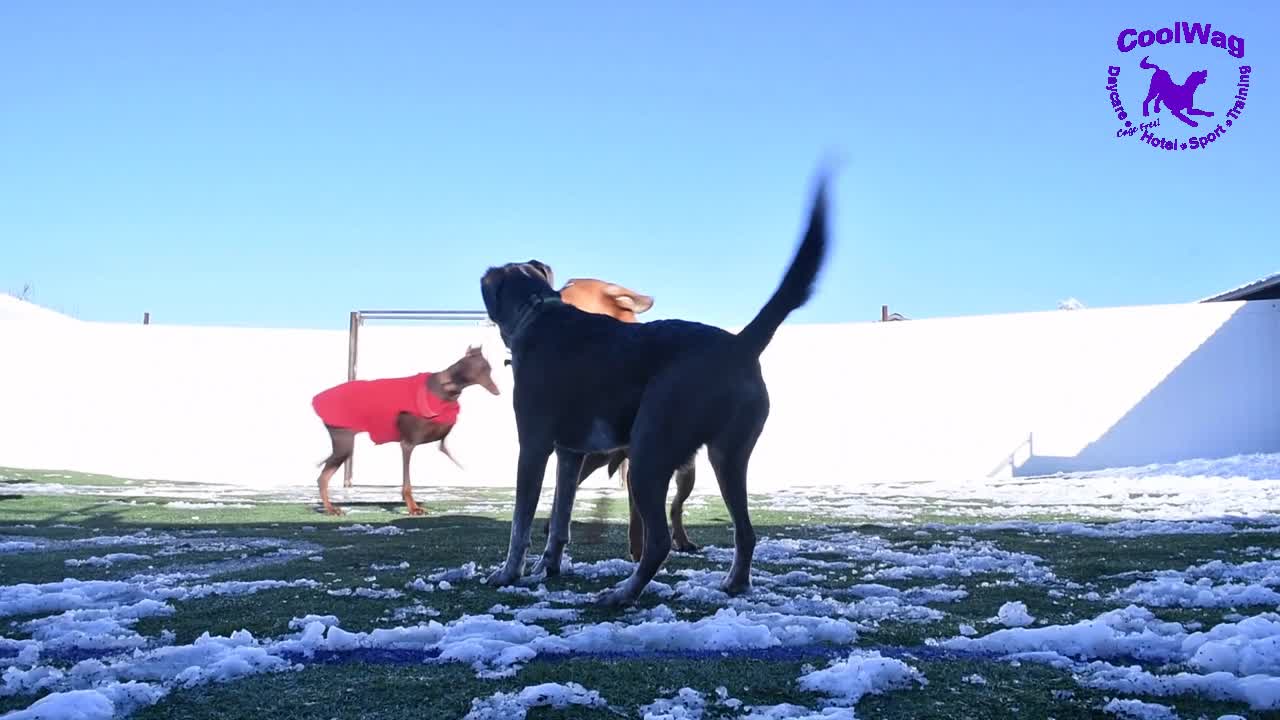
x: 527, y: 313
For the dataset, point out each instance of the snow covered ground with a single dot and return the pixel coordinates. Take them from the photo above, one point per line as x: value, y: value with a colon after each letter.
x: 1183, y: 606
x: 75, y: 646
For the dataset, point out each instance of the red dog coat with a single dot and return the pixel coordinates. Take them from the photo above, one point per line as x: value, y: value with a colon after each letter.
x: 372, y: 406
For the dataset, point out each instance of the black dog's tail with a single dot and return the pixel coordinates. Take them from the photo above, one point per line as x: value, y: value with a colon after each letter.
x: 797, y: 284
x: 1148, y: 66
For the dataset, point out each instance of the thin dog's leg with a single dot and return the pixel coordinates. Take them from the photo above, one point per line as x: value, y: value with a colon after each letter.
x: 343, y: 442
x: 406, y: 489
x: 568, y: 472
x: 647, y: 482
x: 729, y: 455
x: 635, y: 524
x: 529, y: 473
x: 684, y: 486
x: 1178, y: 114
x: 449, y: 455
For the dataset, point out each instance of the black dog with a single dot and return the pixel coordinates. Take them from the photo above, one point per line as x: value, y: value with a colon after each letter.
x: 588, y: 384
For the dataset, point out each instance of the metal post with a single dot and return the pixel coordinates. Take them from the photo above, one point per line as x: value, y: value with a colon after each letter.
x: 353, y: 338
x: 146, y: 318
x: 884, y: 313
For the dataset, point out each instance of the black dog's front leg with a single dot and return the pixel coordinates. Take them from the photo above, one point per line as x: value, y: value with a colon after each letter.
x: 568, y: 470
x: 532, y: 467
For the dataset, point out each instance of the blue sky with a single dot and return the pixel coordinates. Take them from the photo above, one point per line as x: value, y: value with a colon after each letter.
x: 282, y: 163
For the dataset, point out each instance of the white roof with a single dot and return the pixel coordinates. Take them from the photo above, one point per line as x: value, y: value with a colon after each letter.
x: 15, y: 309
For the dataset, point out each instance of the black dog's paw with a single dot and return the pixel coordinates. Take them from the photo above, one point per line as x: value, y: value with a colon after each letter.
x: 502, y: 577
x: 733, y: 588
x: 614, y: 599
x: 685, y: 547
x: 546, y: 568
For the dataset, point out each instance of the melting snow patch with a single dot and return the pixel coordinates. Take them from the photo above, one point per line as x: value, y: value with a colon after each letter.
x: 452, y: 575
x: 860, y: 674
x: 686, y: 704
x: 1128, y: 632
x: 1138, y: 710
x: 420, y: 585
x: 105, y: 560
x: 17, y: 546
x: 364, y: 592
x: 1196, y: 587
x: 1014, y: 614
x: 299, y: 623
x: 515, y: 706
x: 371, y: 530
x: 102, y: 703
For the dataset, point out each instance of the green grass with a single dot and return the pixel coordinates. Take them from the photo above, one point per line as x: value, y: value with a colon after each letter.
x: 448, y: 538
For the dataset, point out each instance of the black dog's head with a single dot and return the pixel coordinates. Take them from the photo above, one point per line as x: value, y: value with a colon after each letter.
x: 1198, y: 78
x: 509, y: 289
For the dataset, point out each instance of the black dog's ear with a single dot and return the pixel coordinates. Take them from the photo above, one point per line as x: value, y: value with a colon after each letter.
x: 545, y: 270
x: 490, y: 287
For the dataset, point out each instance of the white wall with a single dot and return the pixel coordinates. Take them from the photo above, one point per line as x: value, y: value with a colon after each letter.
x: 924, y: 399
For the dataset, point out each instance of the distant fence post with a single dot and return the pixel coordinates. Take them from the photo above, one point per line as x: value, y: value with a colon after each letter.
x: 884, y: 313
x: 146, y: 318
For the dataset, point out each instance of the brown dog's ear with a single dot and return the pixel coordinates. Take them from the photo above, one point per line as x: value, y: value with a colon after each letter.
x: 628, y: 299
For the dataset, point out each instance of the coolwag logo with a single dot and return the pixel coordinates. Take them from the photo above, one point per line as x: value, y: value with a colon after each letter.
x: 1202, y: 108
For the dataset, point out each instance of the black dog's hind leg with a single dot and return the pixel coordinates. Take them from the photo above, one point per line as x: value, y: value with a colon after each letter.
x: 648, y: 479
x: 570, y: 467
x: 730, y: 453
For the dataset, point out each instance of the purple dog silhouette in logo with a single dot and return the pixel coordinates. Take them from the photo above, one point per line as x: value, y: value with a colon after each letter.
x: 1175, y: 97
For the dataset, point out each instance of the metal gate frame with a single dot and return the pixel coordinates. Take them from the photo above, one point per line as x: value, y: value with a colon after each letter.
x: 358, y: 318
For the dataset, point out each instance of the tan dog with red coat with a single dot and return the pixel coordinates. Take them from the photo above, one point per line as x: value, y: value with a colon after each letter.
x: 413, y: 410
x: 606, y: 298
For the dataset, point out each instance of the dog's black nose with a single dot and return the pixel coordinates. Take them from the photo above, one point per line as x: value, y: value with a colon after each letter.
x: 507, y: 362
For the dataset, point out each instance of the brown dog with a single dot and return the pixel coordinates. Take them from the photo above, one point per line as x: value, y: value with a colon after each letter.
x: 414, y: 410
x: 606, y: 298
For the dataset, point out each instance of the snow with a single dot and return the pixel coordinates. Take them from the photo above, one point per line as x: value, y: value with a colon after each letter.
x: 861, y: 673
x: 102, y: 703
x: 1210, y: 586
x: 371, y: 530
x: 831, y: 590
x: 452, y: 575
x: 1139, y: 710
x: 1233, y: 661
x: 106, y: 560
x: 515, y: 706
x: 1014, y: 614
x: 1128, y: 632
